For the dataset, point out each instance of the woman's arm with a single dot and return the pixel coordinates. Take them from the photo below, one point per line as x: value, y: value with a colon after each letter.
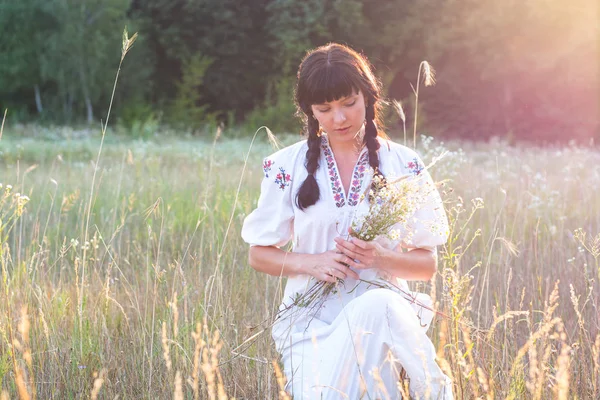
x: 416, y: 264
x: 324, y: 266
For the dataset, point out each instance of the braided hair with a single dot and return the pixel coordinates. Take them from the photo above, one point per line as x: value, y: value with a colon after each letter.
x: 329, y: 73
x: 309, y: 191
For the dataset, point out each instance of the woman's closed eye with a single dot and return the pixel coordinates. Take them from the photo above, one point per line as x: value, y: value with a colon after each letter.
x: 324, y: 110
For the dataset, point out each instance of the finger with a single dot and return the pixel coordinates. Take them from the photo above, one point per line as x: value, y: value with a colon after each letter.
x: 361, y: 244
x: 347, y: 262
x: 338, y: 273
x: 348, y: 252
x: 344, y: 260
x: 359, y: 261
x: 350, y: 247
x: 352, y: 274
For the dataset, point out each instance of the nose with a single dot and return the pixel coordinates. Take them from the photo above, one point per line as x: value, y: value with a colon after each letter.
x: 339, y: 116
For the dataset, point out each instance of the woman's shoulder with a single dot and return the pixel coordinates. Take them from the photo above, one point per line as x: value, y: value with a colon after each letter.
x: 404, y: 154
x: 289, y: 153
x: 286, y: 159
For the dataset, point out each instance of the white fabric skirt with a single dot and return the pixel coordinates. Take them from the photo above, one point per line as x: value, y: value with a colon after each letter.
x: 360, y: 354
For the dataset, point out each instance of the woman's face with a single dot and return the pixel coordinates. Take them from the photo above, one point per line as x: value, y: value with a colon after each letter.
x: 342, y: 119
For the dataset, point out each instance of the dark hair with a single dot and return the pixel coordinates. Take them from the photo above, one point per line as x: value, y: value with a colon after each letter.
x: 329, y: 73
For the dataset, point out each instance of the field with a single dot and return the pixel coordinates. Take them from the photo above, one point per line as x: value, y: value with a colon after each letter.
x: 125, y: 275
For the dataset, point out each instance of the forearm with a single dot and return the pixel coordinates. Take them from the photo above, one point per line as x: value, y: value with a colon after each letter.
x: 414, y: 265
x: 274, y: 261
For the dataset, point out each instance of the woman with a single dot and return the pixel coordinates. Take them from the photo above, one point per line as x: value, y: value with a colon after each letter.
x: 354, y: 344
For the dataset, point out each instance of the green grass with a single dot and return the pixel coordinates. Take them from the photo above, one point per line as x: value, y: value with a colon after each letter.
x: 159, y: 252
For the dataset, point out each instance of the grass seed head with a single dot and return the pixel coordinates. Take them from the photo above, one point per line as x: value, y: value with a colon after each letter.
x: 428, y: 74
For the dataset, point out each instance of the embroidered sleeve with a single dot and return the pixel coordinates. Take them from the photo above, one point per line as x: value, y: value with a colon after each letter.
x: 271, y: 223
x: 415, y: 166
x: 428, y: 227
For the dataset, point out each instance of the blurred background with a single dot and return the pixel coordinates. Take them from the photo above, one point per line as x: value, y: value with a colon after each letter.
x: 519, y: 70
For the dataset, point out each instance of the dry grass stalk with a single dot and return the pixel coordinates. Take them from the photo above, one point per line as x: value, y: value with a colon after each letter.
x: 502, y: 318
x: 98, y: 382
x: 3, y: 119
x: 543, y: 365
x: 199, y: 345
x: 596, y: 362
x: 44, y: 324
x: 575, y: 301
x: 538, y: 338
x: 403, y: 386
x: 4, y: 395
x: 127, y: 43
x: 400, y: 110
x: 467, y: 361
x: 483, y: 381
x: 210, y: 365
x: 25, y: 393
x: 23, y: 327
x: 166, y: 347
x: 562, y: 376
x: 21, y: 385
x: 175, y: 310
x: 178, y: 394
x: 428, y: 74
x: 280, y: 381
x: 381, y: 390
x: 428, y: 80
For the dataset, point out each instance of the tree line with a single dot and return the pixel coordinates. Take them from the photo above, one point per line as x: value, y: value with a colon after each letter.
x: 522, y: 70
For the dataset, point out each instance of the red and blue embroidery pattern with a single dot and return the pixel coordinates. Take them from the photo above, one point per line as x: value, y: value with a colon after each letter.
x: 415, y: 166
x: 357, y: 178
x: 267, y: 164
x: 282, y: 179
x: 334, y: 179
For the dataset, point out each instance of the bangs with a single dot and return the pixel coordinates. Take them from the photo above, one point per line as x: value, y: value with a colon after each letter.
x: 331, y: 83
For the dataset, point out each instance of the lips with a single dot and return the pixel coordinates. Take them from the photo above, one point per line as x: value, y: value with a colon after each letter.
x: 343, y: 130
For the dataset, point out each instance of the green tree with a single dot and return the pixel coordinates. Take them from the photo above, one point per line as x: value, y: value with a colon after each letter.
x: 187, y: 110
x: 233, y: 34
x: 80, y: 55
x: 26, y: 26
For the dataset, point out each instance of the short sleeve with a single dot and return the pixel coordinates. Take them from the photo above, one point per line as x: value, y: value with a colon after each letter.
x: 428, y: 227
x: 271, y: 223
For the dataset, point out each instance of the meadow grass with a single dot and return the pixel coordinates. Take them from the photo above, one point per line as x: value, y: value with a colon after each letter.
x: 167, y: 295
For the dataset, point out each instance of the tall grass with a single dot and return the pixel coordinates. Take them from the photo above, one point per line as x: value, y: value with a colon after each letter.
x: 518, y: 279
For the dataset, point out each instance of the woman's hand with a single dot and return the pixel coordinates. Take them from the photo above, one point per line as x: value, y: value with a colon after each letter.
x: 328, y: 266
x: 363, y: 254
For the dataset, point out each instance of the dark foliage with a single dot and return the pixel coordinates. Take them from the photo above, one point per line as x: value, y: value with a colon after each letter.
x: 521, y: 70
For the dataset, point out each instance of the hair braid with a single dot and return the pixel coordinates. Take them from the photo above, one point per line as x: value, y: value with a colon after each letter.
x: 308, y: 194
x: 371, y: 139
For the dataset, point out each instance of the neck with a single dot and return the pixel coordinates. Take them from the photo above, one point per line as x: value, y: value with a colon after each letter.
x: 348, y: 146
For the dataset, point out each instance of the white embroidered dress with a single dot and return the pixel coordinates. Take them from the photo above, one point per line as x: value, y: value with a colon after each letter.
x: 354, y: 346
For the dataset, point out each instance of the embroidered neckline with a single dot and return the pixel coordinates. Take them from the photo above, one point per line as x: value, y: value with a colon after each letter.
x: 335, y: 182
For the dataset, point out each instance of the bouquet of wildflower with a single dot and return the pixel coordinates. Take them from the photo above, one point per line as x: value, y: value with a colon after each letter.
x: 390, y: 205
